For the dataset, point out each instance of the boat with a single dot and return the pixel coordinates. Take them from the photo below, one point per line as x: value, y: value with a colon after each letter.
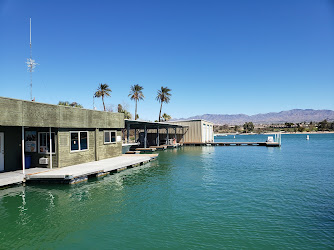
x: 270, y: 139
x: 220, y: 135
x: 307, y: 137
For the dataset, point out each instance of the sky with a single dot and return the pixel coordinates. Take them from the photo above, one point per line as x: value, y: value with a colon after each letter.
x: 218, y: 57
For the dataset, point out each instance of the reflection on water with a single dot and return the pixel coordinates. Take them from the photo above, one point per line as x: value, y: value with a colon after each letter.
x: 193, y: 197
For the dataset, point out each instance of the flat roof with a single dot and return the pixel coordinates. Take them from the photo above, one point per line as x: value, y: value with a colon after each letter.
x: 135, y: 124
x: 192, y: 120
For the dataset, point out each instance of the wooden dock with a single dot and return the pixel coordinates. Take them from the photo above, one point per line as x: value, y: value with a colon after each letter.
x: 266, y: 144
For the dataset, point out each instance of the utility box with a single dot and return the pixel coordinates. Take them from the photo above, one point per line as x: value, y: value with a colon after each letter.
x: 43, y: 161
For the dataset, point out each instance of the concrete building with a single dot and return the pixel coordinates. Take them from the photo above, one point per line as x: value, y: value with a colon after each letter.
x: 44, y: 135
x: 200, y: 131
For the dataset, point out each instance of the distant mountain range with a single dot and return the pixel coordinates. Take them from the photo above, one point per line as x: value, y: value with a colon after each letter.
x: 294, y: 115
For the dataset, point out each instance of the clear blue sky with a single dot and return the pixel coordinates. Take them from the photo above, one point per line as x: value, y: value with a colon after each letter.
x: 217, y: 56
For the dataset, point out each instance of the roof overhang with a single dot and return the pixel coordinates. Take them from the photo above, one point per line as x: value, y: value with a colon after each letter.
x: 135, y: 124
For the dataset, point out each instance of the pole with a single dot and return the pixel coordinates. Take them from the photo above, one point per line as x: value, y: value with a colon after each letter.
x: 31, y: 65
x: 135, y: 135
x: 128, y: 133
x: 23, y: 154
x: 167, y: 136
x: 182, y: 135
x: 145, y: 137
x: 158, y: 139
x: 50, y: 148
x: 175, y: 134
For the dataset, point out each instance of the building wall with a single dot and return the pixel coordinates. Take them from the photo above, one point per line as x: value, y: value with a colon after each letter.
x: 68, y: 158
x: 13, y: 155
x: 35, y: 156
x: 32, y: 114
x: 105, y: 151
x: 39, y: 117
x: 197, y: 131
x: 97, y: 150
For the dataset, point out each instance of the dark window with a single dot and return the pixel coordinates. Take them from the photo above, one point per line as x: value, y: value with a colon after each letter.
x: 44, y: 142
x: 109, y: 137
x: 83, y: 140
x: 74, y: 141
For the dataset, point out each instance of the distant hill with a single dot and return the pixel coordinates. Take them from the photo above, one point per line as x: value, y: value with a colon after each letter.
x: 294, y: 115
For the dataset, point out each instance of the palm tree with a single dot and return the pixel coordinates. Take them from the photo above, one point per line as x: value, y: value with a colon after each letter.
x: 103, y: 90
x: 163, y: 97
x: 136, y: 94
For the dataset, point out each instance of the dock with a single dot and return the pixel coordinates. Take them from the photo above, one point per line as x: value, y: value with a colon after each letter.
x: 146, y: 149
x: 76, y: 173
x: 266, y: 144
x: 17, y: 177
x: 163, y: 147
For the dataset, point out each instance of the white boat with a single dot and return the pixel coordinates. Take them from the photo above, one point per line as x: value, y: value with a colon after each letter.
x: 307, y: 137
x: 270, y: 139
x: 220, y: 135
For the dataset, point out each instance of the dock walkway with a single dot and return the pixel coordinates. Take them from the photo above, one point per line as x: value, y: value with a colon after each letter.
x: 266, y: 144
x: 17, y: 177
x: 80, y: 172
x: 75, y: 173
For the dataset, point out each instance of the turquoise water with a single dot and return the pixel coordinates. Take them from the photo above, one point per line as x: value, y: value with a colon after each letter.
x: 193, y: 197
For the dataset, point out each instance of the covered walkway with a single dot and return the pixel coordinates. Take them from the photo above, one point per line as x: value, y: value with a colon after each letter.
x: 153, y: 133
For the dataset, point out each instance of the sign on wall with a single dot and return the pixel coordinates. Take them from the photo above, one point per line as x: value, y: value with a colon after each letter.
x: 30, y: 141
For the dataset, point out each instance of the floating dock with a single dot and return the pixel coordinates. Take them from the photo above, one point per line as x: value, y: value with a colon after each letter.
x: 17, y: 177
x: 266, y: 144
x: 76, y: 173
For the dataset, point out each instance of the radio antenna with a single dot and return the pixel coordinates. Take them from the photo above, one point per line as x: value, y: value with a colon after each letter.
x: 31, y: 64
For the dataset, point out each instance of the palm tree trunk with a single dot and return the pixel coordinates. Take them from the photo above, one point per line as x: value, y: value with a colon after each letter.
x: 104, y: 106
x: 160, y: 111
x: 136, y: 111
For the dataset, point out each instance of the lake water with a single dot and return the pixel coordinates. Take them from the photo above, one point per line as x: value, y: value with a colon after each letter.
x: 194, y: 197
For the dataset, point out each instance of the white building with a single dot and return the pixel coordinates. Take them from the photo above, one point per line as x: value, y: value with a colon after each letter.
x: 198, y: 130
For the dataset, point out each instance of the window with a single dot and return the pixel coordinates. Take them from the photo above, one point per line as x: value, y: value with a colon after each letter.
x: 79, y: 141
x: 109, y: 137
x: 44, y: 142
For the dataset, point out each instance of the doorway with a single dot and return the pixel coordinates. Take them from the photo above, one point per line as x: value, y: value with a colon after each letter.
x: 2, y: 152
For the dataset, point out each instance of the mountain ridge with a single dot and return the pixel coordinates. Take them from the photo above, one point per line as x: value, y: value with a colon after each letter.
x: 293, y: 115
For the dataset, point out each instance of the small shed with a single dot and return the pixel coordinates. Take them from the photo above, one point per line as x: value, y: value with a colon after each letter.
x: 200, y: 131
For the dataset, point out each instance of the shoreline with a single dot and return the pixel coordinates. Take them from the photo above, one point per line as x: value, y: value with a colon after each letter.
x: 285, y: 133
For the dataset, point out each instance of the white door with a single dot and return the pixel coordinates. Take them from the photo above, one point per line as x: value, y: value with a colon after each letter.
x: 2, y: 152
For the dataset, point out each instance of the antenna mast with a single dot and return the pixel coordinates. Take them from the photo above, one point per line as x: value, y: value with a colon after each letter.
x: 31, y: 64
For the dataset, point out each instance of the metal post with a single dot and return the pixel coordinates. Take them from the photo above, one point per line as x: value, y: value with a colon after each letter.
x: 50, y: 148
x: 182, y: 135
x: 167, y: 137
x: 158, y: 139
x: 23, y: 154
x: 145, y: 137
x: 135, y: 135
x: 128, y: 133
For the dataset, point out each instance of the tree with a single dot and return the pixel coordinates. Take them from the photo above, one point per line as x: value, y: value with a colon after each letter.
x: 166, y: 117
x: 248, y: 126
x: 323, y: 125
x: 163, y: 96
x: 102, y: 91
x: 73, y: 104
x: 127, y: 114
x: 136, y: 94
